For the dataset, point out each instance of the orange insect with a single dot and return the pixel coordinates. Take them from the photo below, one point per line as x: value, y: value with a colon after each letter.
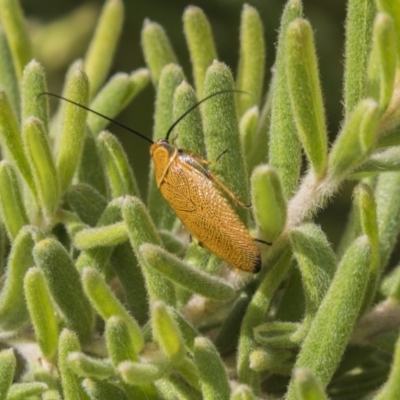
x: 198, y: 198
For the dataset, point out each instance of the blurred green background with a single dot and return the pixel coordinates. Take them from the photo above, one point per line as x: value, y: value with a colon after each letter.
x: 326, y: 16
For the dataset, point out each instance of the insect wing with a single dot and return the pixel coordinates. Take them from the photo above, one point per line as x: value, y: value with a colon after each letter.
x: 207, y: 214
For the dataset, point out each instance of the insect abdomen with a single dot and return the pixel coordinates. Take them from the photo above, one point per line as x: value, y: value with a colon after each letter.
x: 209, y: 217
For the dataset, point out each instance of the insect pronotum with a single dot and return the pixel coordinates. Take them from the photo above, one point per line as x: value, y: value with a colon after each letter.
x: 198, y: 197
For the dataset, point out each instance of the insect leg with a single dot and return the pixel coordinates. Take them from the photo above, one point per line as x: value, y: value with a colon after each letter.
x: 262, y: 241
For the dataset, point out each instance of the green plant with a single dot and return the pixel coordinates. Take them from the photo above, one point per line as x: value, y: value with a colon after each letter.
x: 120, y: 305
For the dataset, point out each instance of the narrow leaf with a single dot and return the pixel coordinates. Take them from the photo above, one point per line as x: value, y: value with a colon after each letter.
x: 252, y: 55
x: 13, y: 311
x: 41, y: 311
x: 157, y: 49
x: 100, y: 54
x: 107, y: 305
x: 184, y: 275
x: 119, y: 340
x: 115, y: 96
x: 356, y: 139
x: 11, y: 140
x: 201, y: 45
x: 308, y: 388
x: 34, y: 83
x: 119, y: 173
x: 73, y: 128
x: 221, y: 132
x: 63, y: 279
x: 12, y: 207
x: 167, y: 333
x: 71, y: 385
x: 339, y: 309
x: 7, y: 369
x: 37, y: 149
x: 359, y: 23
x: 170, y: 79
x: 382, y: 62
x: 284, y: 146
x: 142, y: 230
x: 212, y: 374
x: 305, y: 93
x: 17, y: 34
x: 268, y: 202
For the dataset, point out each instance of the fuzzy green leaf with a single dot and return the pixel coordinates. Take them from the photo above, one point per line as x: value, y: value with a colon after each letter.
x: 277, y: 334
x: 11, y: 139
x: 305, y: 93
x: 63, y: 279
x: 284, y: 146
x: 119, y: 340
x: 228, y: 335
x: 34, y: 83
x: 268, y: 202
x: 387, y: 194
x: 7, y: 369
x: 392, y: 8
x: 242, y: 392
x: 382, y: 62
x: 107, y: 305
x: 189, y: 132
x: 136, y: 373
x: 171, y: 77
x: 96, y: 240
x: 359, y: 23
x: 201, y: 45
x: 41, y: 311
x: 100, y: 54
x: 317, y: 263
x: 157, y: 49
x: 90, y: 367
x: 271, y: 360
x: 103, y: 390
x: 308, y: 388
x: 125, y: 265
x: 142, y: 230
x: 385, y: 161
x: 11, y: 204
x: 73, y: 130
x: 366, y: 206
x: 119, y: 173
x: 91, y: 169
x: 255, y: 315
x: 13, y: 311
x: 17, y: 34
x: 184, y: 275
x: 248, y: 129
x: 252, y: 55
x: 72, y: 389
x: 116, y: 94
x: 339, y: 309
x: 221, y: 132
x: 21, y: 391
x: 392, y: 387
x: 110, y: 235
x: 167, y: 333
x: 212, y: 374
x: 86, y: 202
x: 8, y: 78
x: 38, y: 152
x: 356, y: 139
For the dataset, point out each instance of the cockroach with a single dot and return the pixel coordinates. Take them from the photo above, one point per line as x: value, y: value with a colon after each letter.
x: 198, y: 197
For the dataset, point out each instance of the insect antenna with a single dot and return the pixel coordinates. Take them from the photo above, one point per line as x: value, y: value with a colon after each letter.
x: 171, y: 128
x: 99, y: 114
